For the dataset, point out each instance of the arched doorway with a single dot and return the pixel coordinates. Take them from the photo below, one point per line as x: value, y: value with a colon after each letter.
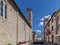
x: 58, y: 39
x: 4, y: 36
x: 52, y: 38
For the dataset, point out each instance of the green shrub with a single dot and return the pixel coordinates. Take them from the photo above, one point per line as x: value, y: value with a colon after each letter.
x: 9, y: 44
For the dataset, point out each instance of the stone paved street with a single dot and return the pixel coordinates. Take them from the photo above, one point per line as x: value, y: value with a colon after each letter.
x: 41, y: 43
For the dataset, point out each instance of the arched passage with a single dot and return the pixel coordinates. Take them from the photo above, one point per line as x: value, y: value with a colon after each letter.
x: 4, y: 35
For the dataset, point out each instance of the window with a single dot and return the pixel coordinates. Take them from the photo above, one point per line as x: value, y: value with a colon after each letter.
x: 49, y: 24
x: 52, y: 28
x: 59, y: 17
x: 3, y: 9
x: 59, y: 27
x: 29, y: 14
x: 52, y: 19
x: 29, y: 19
x: 48, y: 39
x: 52, y: 38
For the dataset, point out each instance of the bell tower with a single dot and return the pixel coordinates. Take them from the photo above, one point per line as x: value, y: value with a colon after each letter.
x: 29, y: 14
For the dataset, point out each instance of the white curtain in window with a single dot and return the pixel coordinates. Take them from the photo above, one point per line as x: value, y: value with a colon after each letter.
x: 0, y: 7
x: 3, y: 10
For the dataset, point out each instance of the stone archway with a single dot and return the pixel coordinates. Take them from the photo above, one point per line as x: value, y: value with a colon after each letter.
x: 4, y: 36
x: 58, y: 39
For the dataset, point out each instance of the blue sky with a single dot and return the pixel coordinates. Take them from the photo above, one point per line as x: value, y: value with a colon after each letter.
x: 41, y: 9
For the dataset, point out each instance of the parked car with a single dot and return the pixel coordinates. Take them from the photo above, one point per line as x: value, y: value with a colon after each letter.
x: 38, y: 42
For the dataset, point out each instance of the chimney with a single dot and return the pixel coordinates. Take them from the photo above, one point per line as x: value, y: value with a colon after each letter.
x: 29, y: 14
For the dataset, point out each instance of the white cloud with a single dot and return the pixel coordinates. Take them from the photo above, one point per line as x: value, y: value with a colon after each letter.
x: 42, y: 19
x: 39, y: 31
x: 47, y: 16
x: 41, y: 24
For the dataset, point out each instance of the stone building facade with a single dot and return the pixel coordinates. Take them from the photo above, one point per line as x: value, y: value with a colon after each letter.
x: 52, y: 28
x: 14, y: 27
